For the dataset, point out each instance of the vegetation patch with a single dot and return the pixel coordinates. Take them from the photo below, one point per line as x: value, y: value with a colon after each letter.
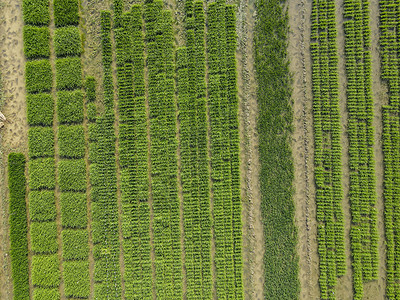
x: 67, y: 41
x: 36, y: 12
x: 75, y: 244
x: 66, y: 12
x: 68, y: 73
x: 44, y: 237
x: 42, y: 174
x: 72, y: 141
x: 46, y: 294
x: 41, y: 142
x: 73, y: 210
x: 36, y: 42
x: 76, y: 279
x: 72, y: 175
x: 18, y: 225
x: 38, y: 76
x: 70, y: 106
x: 45, y: 271
x: 42, y: 206
x: 40, y: 109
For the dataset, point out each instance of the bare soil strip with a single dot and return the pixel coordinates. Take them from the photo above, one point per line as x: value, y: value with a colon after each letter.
x: 13, y: 136
x: 376, y: 289
x: 303, y: 147
x: 253, y: 234
x: 344, y: 286
x: 56, y: 151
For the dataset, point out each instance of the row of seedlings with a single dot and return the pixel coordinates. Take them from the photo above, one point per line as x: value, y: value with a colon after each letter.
x: 327, y: 157
x: 42, y: 178
x: 364, y: 236
x: 389, y: 49
x: 71, y: 143
x: 103, y: 178
x: 159, y: 42
x: 133, y: 153
x: 191, y: 90
x: 18, y: 225
x: 222, y: 104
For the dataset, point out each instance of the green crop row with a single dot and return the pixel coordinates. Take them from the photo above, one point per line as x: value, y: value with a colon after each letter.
x: 66, y: 12
x: 327, y: 158
x: 360, y: 132
x: 133, y: 155
x: 18, y: 225
x: 45, y: 270
x: 103, y: 178
x: 389, y: 45
x: 160, y: 62
x: 221, y: 46
x: 274, y: 130
x: 67, y: 41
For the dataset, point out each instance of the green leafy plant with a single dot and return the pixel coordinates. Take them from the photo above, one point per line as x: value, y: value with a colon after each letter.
x: 67, y: 41
x: 68, y: 73
x: 66, y: 12
x: 46, y: 294
x: 71, y: 140
x: 76, y: 279
x: 39, y: 77
x: 45, y: 271
x: 41, y: 142
x: 36, y: 42
x: 72, y: 175
x: 75, y: 244
x: 73, y: 210
x: 90, y: 86
x: 44, y: 237
x: 40, y: 109
x: 36, y: 12
x: 42, y: 206
x: 18, y: 225
x: 70, y: 106
x: 42, y: 174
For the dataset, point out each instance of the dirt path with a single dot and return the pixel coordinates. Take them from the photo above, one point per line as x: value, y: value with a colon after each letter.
x: 253, y: 234
x: 344, y: 286
x: 303, y: 147
x: 13, y: 136
x: 376, y: 289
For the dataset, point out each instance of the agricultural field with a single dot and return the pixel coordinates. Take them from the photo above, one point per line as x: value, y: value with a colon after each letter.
x: 222, y: 149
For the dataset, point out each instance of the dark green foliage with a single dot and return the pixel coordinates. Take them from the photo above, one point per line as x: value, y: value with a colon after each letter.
x: 45, y: 271
x: 38, y: 76
x: 18, y: 225
x: 70, y: 106
x: 91, y: 111
x: 90, y: 88
x: 92, y: 130
x: 72, y: 175
x: 40, y: 109
x: 68, y: 73
x: 66, y: 12
x: 76, y: 279
x: 41, y: 142
x: 42, y: 206
x: 275, y: 126
x: 36, y: 12
x: 46, y: 294
x: 71, y: 139
x: 42, y: 174
x: 36, y: 42
x: 73, y: 210
x: 67, y: 41
x: 44, y: 237
x: 75, y: 244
